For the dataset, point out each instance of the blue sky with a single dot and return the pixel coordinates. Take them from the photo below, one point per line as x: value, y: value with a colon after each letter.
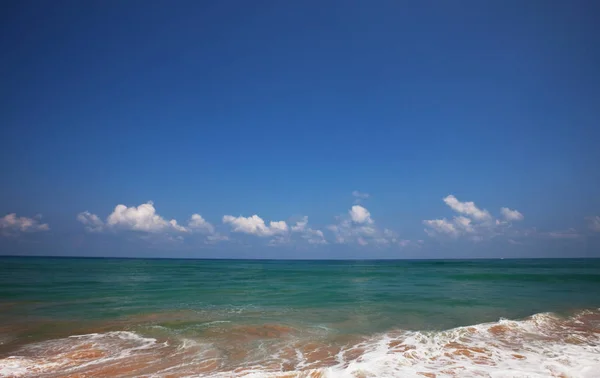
x: 282, y: 110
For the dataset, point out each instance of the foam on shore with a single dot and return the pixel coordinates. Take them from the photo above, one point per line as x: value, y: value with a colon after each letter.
x: 543, y: 345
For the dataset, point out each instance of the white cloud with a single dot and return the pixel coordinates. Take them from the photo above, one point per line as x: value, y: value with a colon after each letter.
x: 467, y: 208
x: 10, y: 224
x: 594, y: 223
x: 441, y: 227
x: 177, y: 227
x: 367, y: 230
x: 141, y: 218
x: 279, y: 227
x: 464, y: 224
x: 359, y: 228
x: 389, y: 237
x: 511, y: 215
x: 255, y: 225
x: 310, y: 235
x: 474, y: 223
x: 279, y: 231
x: 359, y: 214
x: 197, y: 223
x: 314, y: 236
x: 144, y: 218
x: 349, y: 232
x: 338, y: 233
x: 91, y: 221
x: 300, y: 225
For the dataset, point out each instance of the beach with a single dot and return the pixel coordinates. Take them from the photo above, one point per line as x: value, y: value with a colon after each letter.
x: 63, y: 317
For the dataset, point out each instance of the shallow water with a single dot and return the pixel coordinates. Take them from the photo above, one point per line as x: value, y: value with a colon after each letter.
x: 179, y: 318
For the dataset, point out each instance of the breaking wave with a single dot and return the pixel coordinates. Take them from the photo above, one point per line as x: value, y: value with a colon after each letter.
x: 543, y: 345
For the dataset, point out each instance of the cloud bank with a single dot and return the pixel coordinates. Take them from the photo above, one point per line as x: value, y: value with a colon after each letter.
x: 255, y: 225
x: 312, y: 236
x: 145, y: 219
x: 355, y: 227
x: 279, y: 231
x: 11, y: 225
x: 467, y: 208
x: 359, y: 228
x: 141, y: 218
x: 511, y: 215
x: 360, y: 215
x: 472, y: 222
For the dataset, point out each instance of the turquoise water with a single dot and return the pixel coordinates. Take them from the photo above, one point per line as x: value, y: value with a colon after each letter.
x: 407, y: 294
x: 52, y: 298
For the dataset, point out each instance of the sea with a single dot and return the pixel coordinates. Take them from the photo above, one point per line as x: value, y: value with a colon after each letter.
x: 88, y: 317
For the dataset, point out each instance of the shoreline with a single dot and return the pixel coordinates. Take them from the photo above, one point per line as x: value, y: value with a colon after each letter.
x: 572, y: 345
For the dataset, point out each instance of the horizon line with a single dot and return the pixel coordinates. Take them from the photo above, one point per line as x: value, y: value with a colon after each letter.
x: 295, y: 259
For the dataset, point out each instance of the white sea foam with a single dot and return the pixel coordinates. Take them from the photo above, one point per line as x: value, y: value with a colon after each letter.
x: 541, y: 346
x: 69, y: 353
x: 15, y: 366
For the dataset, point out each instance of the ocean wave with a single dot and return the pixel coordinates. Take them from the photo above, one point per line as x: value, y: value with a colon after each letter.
x: 77, y: 352
x: 543, y: 345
